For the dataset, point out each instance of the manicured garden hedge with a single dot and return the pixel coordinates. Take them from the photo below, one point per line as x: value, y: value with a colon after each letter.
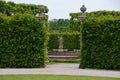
x: 101, y: 44
x: 101, y: 39
x: 23, y: 41
x: 70, y: 40
x: 10, y: 8
x: 53, y: 41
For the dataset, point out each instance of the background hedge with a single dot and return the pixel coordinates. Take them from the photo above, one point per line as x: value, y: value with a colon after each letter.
x: 70, y: 40
x: 23, y: 41
x: 10, y: 8
x: 53, y: 41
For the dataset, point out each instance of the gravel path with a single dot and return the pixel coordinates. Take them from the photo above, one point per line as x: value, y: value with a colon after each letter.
x: 61, y: 68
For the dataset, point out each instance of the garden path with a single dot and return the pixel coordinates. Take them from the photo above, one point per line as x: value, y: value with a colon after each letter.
x: 61, y: 68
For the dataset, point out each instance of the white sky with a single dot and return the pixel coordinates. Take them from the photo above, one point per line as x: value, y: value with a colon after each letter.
x: 62, y: 8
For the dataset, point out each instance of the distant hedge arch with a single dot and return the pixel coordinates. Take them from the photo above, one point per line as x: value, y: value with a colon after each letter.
x: 70, y: 40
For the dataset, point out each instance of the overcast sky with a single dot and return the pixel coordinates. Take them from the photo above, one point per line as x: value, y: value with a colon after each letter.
x: 62, y: 8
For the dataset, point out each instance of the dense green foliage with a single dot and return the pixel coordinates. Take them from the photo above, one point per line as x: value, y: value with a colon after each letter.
x: 23, y: 41
x: 57, y: 24
x: 23, y: 38
x: 10, y: 8
x: 53, y: 41
x: 101, y: 40
x: 70, y: 40
x: 74, y: 22
x: 101, y: 44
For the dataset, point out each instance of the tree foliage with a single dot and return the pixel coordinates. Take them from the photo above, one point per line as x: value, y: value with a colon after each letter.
x: 57, y: 24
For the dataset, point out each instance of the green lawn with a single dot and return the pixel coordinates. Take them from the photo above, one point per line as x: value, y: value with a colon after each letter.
x: 52, y: 77
x: 58, y: 60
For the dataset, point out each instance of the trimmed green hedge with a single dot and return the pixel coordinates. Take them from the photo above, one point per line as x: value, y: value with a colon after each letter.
x: 70, y: 40
x: 101, y: 40
x: 53, y: 41
x: 10, y: 8
x: 101, y: 44
x: 23, y: 41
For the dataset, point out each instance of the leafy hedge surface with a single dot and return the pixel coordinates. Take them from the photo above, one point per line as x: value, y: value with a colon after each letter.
x: 74, y: 24
x: 22, y: 41
x: 10, y: 7
x: 70, y: 40
x: 101, y: 44
x: 53, y: 41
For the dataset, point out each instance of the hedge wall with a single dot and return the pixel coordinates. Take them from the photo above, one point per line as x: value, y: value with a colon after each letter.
x: 10, y: 8
x: 53, y: 41
x: 23, y: 41
x: 101, y: 44
x: 101, y: 41
x: 74, y: 23
x: 70, y: 40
